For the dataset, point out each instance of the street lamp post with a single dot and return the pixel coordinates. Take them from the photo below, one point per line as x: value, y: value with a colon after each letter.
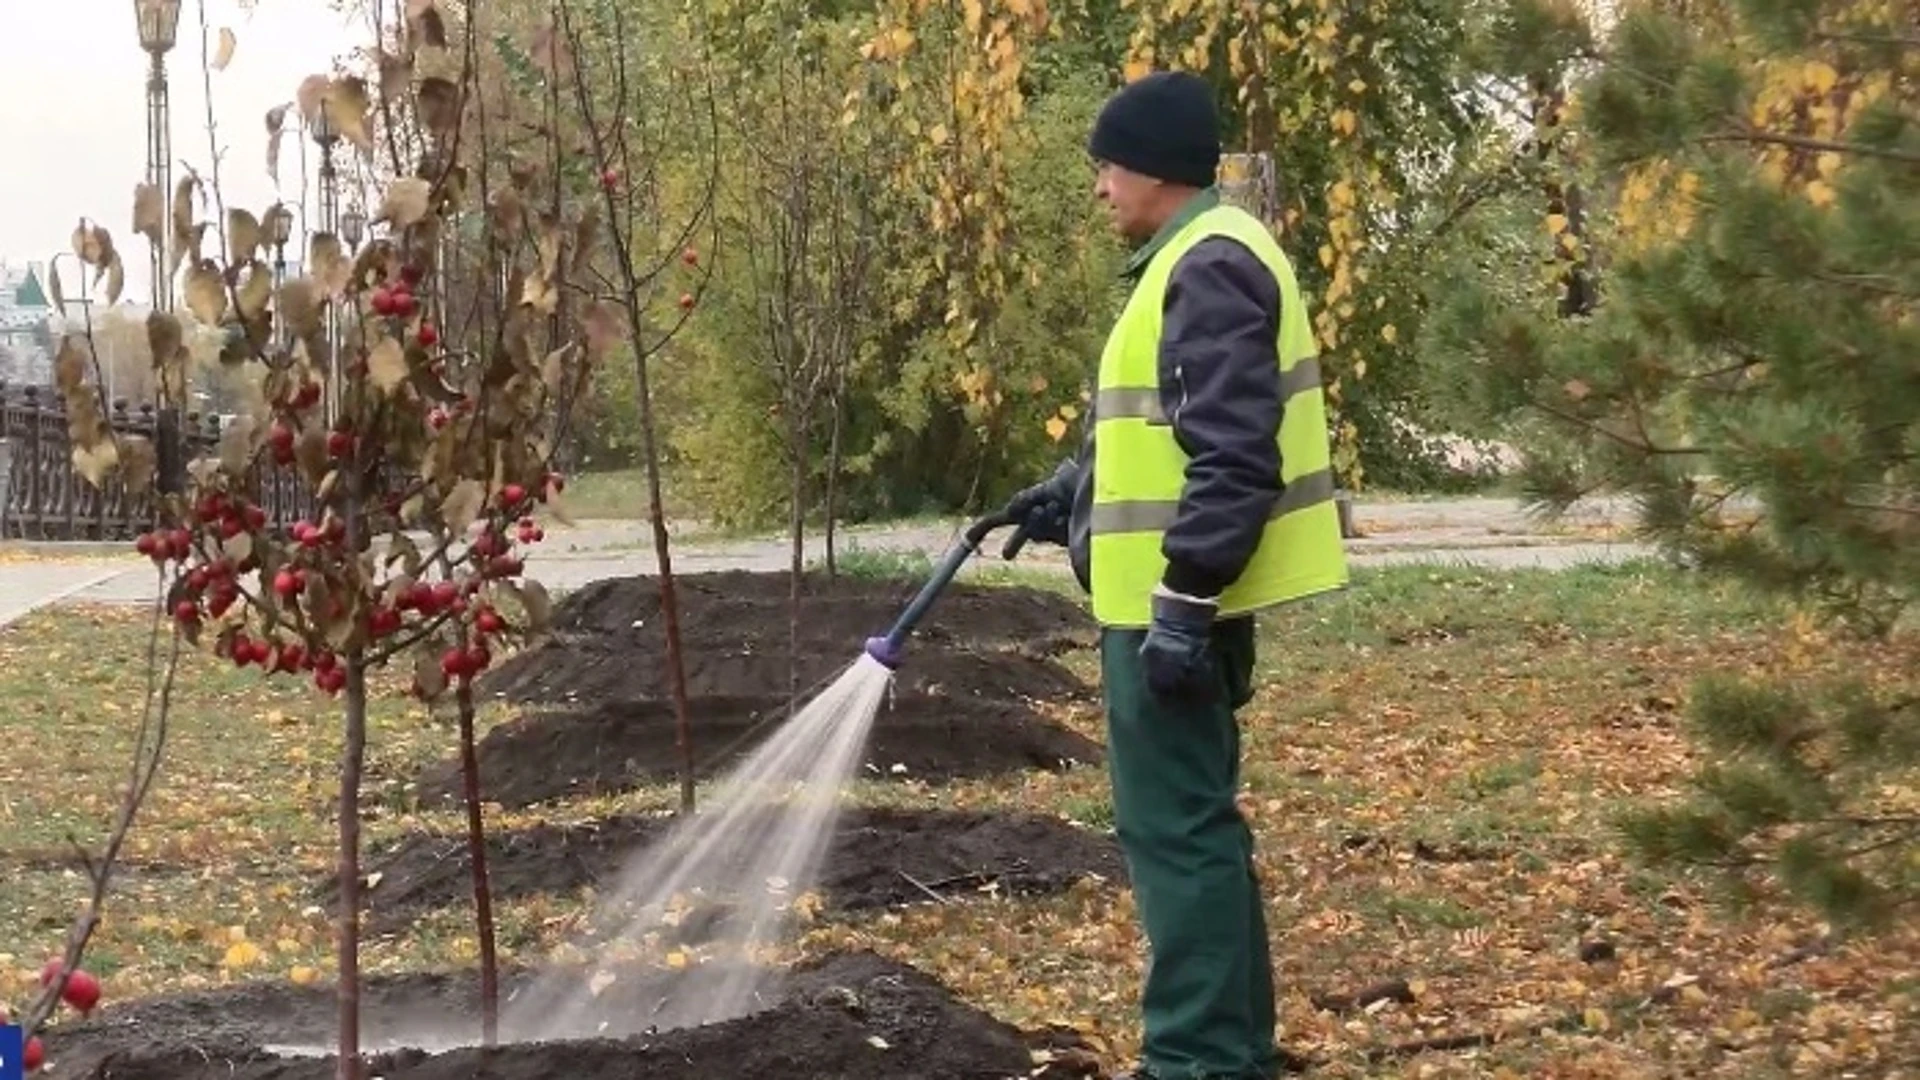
x: 353, y: 228
x: 158, y: 22
x: 279, y: 230
x: 325, y: 136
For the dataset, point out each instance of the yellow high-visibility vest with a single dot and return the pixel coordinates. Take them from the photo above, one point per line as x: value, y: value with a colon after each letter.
x: 1139, y: 468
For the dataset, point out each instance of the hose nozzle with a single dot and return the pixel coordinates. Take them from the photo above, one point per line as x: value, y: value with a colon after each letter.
x: 885, y: 652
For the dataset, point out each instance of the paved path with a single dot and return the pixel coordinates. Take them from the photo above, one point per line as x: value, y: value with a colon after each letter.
x: 25, y: 586
x: 1493, y: 533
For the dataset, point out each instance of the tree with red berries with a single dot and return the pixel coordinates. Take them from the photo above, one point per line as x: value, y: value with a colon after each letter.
x: 421, y: 430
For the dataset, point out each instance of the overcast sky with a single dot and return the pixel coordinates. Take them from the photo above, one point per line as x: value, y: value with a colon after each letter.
x: 73, y: 113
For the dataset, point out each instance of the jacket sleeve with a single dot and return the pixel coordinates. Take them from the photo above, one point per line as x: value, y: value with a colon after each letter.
x: 1220, y: 387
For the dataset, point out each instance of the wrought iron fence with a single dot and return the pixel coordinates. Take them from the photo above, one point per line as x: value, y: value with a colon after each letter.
x: 46, y: 499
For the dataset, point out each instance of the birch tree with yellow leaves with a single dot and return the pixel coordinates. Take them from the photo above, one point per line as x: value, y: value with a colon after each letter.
x: 1747, y: 372
x: 1367, y: 110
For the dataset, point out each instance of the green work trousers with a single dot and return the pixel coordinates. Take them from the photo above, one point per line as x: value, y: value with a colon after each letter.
x: 1207, y: 1005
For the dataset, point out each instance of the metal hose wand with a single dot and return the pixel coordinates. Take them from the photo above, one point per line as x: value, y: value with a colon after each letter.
x: 888, y: 648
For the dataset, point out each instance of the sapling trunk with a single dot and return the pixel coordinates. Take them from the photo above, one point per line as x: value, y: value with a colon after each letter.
x: 352, y: 760
x: 477, y: 859
x: 632, y: 295
x: 797, y: 533
x: 833, y: 474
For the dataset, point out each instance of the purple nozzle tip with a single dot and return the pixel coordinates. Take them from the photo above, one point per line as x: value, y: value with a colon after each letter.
x: 885, y: 652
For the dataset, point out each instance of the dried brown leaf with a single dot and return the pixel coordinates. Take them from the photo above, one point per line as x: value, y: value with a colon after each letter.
x: 553, y: 370
x: 257, y: 292
x: 300, y: 306
x: 507, y: 211
x: 94, y: 461
x: 331, y: 268
x: 387, y: 365
x: 538, y: 605
x: 116, y: 280
x: 183, y: 225
x: 149, y: 212
x: 236, y: 445
x: 584, y: 232
x: 439, y: 104
x: 187, y: 246
x: 405, y: 201
x: 463, y: 504
x: 224, y: 54
x: 313, y: 90
x: 238, y: 546
x: 604, y: 328
x: 93, y: 244
x: 139, y: 463
x: 427, y: 673
x: 310, y: 452
x: 164, y: 337
x: 73, y: 364
x: 540, y: 295
x: 428, y: 25
x: 206, y: 293
x: 396, y: 75
x: 350, y: 108
x: 244, y: 236
x: 276, y: 128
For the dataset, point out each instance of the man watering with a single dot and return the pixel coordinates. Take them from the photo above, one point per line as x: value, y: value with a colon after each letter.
x: 1203, y: 494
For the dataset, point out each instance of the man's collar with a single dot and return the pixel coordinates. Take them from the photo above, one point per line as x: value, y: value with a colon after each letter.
x: 1202, y: 202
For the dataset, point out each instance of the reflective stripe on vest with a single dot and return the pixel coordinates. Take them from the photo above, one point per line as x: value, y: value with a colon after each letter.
x: 1140, y: 470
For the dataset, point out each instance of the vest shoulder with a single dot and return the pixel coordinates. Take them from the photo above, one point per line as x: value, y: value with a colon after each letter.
x: 1221, y: 258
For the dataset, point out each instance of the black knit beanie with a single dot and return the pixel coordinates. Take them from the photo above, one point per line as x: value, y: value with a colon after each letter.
x: 1161, y: 125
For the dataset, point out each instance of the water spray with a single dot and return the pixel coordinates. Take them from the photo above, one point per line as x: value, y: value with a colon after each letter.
x: 889, y: 649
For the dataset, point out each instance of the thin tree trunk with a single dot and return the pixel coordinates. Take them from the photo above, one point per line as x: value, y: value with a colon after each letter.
x: 796, y: 526
x: 833, y: 470
x: 352, y: 762
x: 477, y: 859
x: 656, y: 514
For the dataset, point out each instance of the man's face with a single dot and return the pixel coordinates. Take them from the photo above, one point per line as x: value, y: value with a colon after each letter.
x: 1130, y: 198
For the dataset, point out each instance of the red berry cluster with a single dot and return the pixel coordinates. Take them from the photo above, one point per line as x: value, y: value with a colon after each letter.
x: 396, y: 300
x: 82, y: 993
x: 489, y: 556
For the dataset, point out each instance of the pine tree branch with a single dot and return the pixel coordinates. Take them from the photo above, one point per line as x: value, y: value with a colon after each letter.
x: 1874, y: 283
x: 1646, y: 447
x: 1904, y: 41
x: 1905, y: 836
x: 1803, y: 142
x: 1884, y: 508
x: 1734, y: 368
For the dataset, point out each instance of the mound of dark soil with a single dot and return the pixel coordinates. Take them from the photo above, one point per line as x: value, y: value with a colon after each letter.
x: 617, y: 747
x: 609, y: 641
x: 878, y: 858
x: 968, y: 701
x: 853, y: 1016
x: 753, y: 606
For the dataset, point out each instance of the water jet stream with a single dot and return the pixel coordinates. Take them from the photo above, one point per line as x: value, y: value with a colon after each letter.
x: 753, y: 851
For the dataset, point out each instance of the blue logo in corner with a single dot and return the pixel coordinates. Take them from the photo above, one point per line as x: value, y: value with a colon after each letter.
x: 13, y: 1052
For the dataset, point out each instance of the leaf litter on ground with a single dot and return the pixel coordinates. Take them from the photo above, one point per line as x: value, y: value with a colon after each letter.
x: 1432, y: 767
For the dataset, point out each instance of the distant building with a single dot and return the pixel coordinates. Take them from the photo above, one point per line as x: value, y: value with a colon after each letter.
x: 26, y: 336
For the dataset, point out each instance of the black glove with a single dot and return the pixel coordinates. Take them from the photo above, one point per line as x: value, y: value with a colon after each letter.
x: 1179, y: 665
x: 1045, y: 507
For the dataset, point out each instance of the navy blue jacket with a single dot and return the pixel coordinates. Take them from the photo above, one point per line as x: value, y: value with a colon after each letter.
x: 1220, y: 387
